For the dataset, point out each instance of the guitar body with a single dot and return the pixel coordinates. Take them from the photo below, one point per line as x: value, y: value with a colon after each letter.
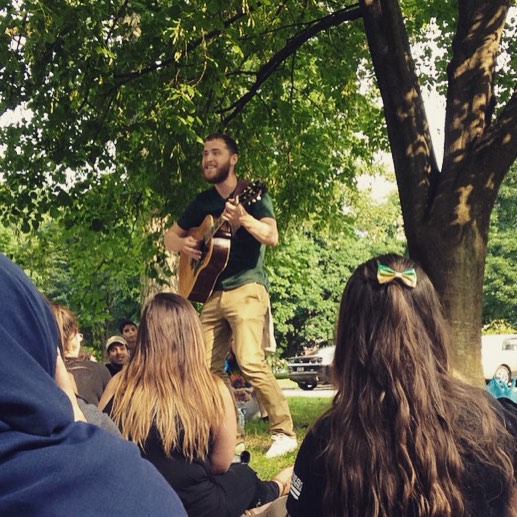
x: 197, y: 277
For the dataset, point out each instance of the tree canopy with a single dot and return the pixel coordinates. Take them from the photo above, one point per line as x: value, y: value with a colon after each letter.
x: 122, y: 94
x: 111, y: 99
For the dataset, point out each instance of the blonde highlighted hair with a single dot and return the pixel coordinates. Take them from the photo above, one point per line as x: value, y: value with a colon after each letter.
x: 168, y: 382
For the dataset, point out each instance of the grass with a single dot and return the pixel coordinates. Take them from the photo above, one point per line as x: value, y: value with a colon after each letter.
x: 304, y: 411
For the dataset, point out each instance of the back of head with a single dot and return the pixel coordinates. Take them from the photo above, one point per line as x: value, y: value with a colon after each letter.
x: 67, y: 326
x: 170, y: 333
x: 400, y: 425
x: 168, y: 381
x: 396, y: 329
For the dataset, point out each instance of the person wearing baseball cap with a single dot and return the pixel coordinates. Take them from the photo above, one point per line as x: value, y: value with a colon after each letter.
x: 118, y: 354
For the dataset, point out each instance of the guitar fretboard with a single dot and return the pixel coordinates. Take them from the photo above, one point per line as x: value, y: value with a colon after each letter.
x: 250, y: 194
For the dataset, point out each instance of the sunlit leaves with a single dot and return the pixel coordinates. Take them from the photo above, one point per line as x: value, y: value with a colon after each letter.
x: 308, y: 271
x: 500, y: 273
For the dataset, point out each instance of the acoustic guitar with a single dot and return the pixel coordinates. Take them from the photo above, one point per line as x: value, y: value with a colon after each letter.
x: 198, y: 277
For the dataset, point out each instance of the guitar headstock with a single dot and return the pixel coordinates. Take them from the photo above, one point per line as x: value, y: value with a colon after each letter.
x: 252, y: 193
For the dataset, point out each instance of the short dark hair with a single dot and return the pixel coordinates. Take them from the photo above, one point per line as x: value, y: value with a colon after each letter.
x: 228, y: 140
x: 124, y: 323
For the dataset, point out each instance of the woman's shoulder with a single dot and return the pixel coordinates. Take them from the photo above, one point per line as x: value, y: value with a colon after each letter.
x: 321, y: 429
x: 314, y: 442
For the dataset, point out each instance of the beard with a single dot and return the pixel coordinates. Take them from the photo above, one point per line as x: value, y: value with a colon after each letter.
x: 220, y: 174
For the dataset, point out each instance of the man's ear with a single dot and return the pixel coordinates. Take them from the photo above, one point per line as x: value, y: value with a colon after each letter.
x: 234, y: 159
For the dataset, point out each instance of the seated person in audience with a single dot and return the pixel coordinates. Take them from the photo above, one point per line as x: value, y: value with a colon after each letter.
x: 128, y: 330
x: 243, y: 392
x: 403, y: 437
x: 91, y: 378
x: 51, y: 465
x: 183, y: 417
x: 118, y: 354
x: 88, y: 378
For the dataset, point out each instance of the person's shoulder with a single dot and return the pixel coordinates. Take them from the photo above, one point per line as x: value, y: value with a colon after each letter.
x: 319, y: 433
x: 101, y: 369
x: 265, y: 202
x: 308, y: 480
x: 94, y: 365
x: 109, y: 391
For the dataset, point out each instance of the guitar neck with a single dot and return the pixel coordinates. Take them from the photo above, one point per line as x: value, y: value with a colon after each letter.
x: 214, y: 228
x: 251, y: 194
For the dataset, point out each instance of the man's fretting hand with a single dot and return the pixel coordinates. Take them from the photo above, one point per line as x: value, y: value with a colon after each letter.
x: 233, y: 214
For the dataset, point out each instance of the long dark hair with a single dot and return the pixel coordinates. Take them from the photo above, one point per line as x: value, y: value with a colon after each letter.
x: 400, y: 425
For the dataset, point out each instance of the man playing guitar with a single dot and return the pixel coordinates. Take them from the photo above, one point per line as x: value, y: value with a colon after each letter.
x: 238, y: 305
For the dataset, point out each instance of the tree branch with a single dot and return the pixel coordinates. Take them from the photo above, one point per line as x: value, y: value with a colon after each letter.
x: 471, y: 72
x: 411, y: 145
x: 498, y: 146
x: 332, y: 20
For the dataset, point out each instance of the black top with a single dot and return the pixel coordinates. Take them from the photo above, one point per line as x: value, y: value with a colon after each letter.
x: 90, y: 377
x: 204, y: 494
x: 246, y: 260
x: 482, y: 485
x: 113, y: 368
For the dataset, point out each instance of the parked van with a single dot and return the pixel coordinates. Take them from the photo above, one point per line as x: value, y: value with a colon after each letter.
x: 499, y: 356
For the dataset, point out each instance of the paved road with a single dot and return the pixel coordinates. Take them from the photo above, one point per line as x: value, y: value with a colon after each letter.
x: 319, y: 391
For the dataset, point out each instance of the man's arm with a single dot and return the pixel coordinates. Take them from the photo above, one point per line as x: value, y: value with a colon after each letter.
x: 264, y: 230
x: 177, y: 240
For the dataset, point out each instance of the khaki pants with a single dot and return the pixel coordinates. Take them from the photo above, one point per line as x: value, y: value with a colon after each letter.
x: 241, y: 314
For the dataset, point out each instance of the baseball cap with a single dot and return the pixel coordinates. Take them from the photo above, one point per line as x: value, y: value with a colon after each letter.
x: 115, y: 339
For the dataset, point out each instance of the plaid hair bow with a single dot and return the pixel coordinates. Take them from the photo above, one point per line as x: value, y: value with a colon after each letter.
x: 385, y: 274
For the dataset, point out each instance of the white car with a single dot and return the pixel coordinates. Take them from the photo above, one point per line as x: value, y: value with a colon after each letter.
x: 499, y: 356
x: 310, y: 370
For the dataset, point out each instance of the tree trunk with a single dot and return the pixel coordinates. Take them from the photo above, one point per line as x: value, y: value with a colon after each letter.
x: 446, y: 213
x: 455, y: 264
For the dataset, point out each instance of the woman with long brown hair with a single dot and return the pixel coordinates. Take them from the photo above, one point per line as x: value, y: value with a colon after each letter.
x: 182, y: 416
x: 403, y: 437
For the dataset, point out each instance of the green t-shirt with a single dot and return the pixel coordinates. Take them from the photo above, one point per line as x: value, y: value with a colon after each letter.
x: 246, y: 260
